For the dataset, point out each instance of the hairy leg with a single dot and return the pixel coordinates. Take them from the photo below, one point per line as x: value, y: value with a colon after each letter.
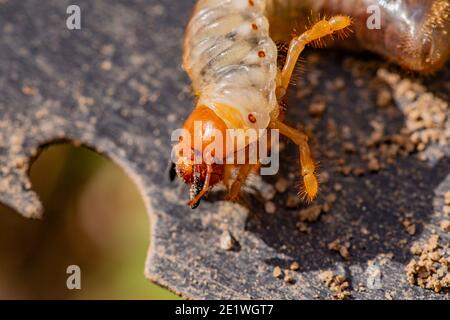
x: 244, y: 171
x: 319, y: 30
x: 307, y: 165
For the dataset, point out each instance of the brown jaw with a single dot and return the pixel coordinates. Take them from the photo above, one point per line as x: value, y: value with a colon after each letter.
x: 196, y: 187
x: 200, y: 177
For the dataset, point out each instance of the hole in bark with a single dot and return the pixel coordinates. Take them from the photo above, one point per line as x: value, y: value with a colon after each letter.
x: 94, y: 218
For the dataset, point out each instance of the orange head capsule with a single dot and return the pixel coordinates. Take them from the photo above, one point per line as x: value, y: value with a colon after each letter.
x: 200, y: 176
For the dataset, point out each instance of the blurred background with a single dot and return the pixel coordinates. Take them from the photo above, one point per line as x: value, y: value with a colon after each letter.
x: 94, y: 218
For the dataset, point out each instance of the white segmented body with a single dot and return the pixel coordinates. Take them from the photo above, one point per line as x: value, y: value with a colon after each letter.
x: 232, y: 61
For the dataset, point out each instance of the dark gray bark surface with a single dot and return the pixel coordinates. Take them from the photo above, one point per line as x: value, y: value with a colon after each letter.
x: 117, y: 87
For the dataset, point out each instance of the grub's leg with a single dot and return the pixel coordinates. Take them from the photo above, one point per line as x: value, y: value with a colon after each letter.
x: 244, y: 171
x: 320, y: 29
x: 307, y: 166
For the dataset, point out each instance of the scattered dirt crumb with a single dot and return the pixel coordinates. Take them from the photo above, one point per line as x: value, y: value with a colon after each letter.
x: 171, y: 117
x: 342, y: 248
x: 331, y: 198
x: 431, y: 269
x: 228, y: 242
x: 349, y: 147
x: 317, y: 108
x: 426, y: 115
x: 337, y: 187
x: 338, y: 285
x: 326, y: 207
x: 288, y: 278
x: 446, y: 210
x: 358, y: 172
x: 277, y: 273
x: 29, y: 91
x: 107, y: 50
x: 84, y: 101
x: 303, y: 227
x: 373, y: 165
x: 294, y: 266
x: 339, y: 83
x: 293, y: 201
x: 447, y: 198
x: 310, y: 214
x: 384, y: 98
x: 106, y: 65
x: 345, y: 170
x: 364, y: 231
x: 409, y: 226
x: 270, y: 207
x: 281, y: 185
x: 324, y: 177
x: 267, y: 191
x: 445, y: 225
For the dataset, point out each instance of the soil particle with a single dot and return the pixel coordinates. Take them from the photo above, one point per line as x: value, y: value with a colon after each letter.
x: 268, y: 192
x: 288, y: 278
x: 310, y: 214
x: 303, y: 227
x: 277, y: 272
x: 270, y: 207
x: 337, y: 187
x: 338, y: 284
x: 281, y: 185
x: 445, y: 225
x: 345, y: 170
x: 447, y: 198
x: 293, y: 201
x: 342, y: 248
x: 388, y: 296
x: 358, y: 171
x: 446, y: 210
x: 430, y: 269
x: 373, y: 165
x: 331, y: 198
x: 384, y: 98
x: 349, y: 147
x: 339, y: 83
x: 317, y: 108
x: 326, y: 207
x: 409, y: 226
x: 324, y: 177
x: 228, y: 242
x: 426, y: 115
x: 294, y: 266
x: 106, y: 65
x: 29, y: 91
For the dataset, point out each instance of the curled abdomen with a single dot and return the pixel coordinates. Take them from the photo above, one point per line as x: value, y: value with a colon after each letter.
x: 412, y: 33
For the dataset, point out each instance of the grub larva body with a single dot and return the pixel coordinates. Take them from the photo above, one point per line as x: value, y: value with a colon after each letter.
x: 231, y: 57
x: 232, y: 61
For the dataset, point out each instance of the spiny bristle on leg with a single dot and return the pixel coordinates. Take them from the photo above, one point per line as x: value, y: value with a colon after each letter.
x: 324, y: 29
x: 309, y: 188
x: 344, y: 33
x: 302, y: 194
x: 319, y: 43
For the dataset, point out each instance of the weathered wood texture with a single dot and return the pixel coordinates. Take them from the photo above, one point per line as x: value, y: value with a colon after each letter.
x: 116, y: 86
